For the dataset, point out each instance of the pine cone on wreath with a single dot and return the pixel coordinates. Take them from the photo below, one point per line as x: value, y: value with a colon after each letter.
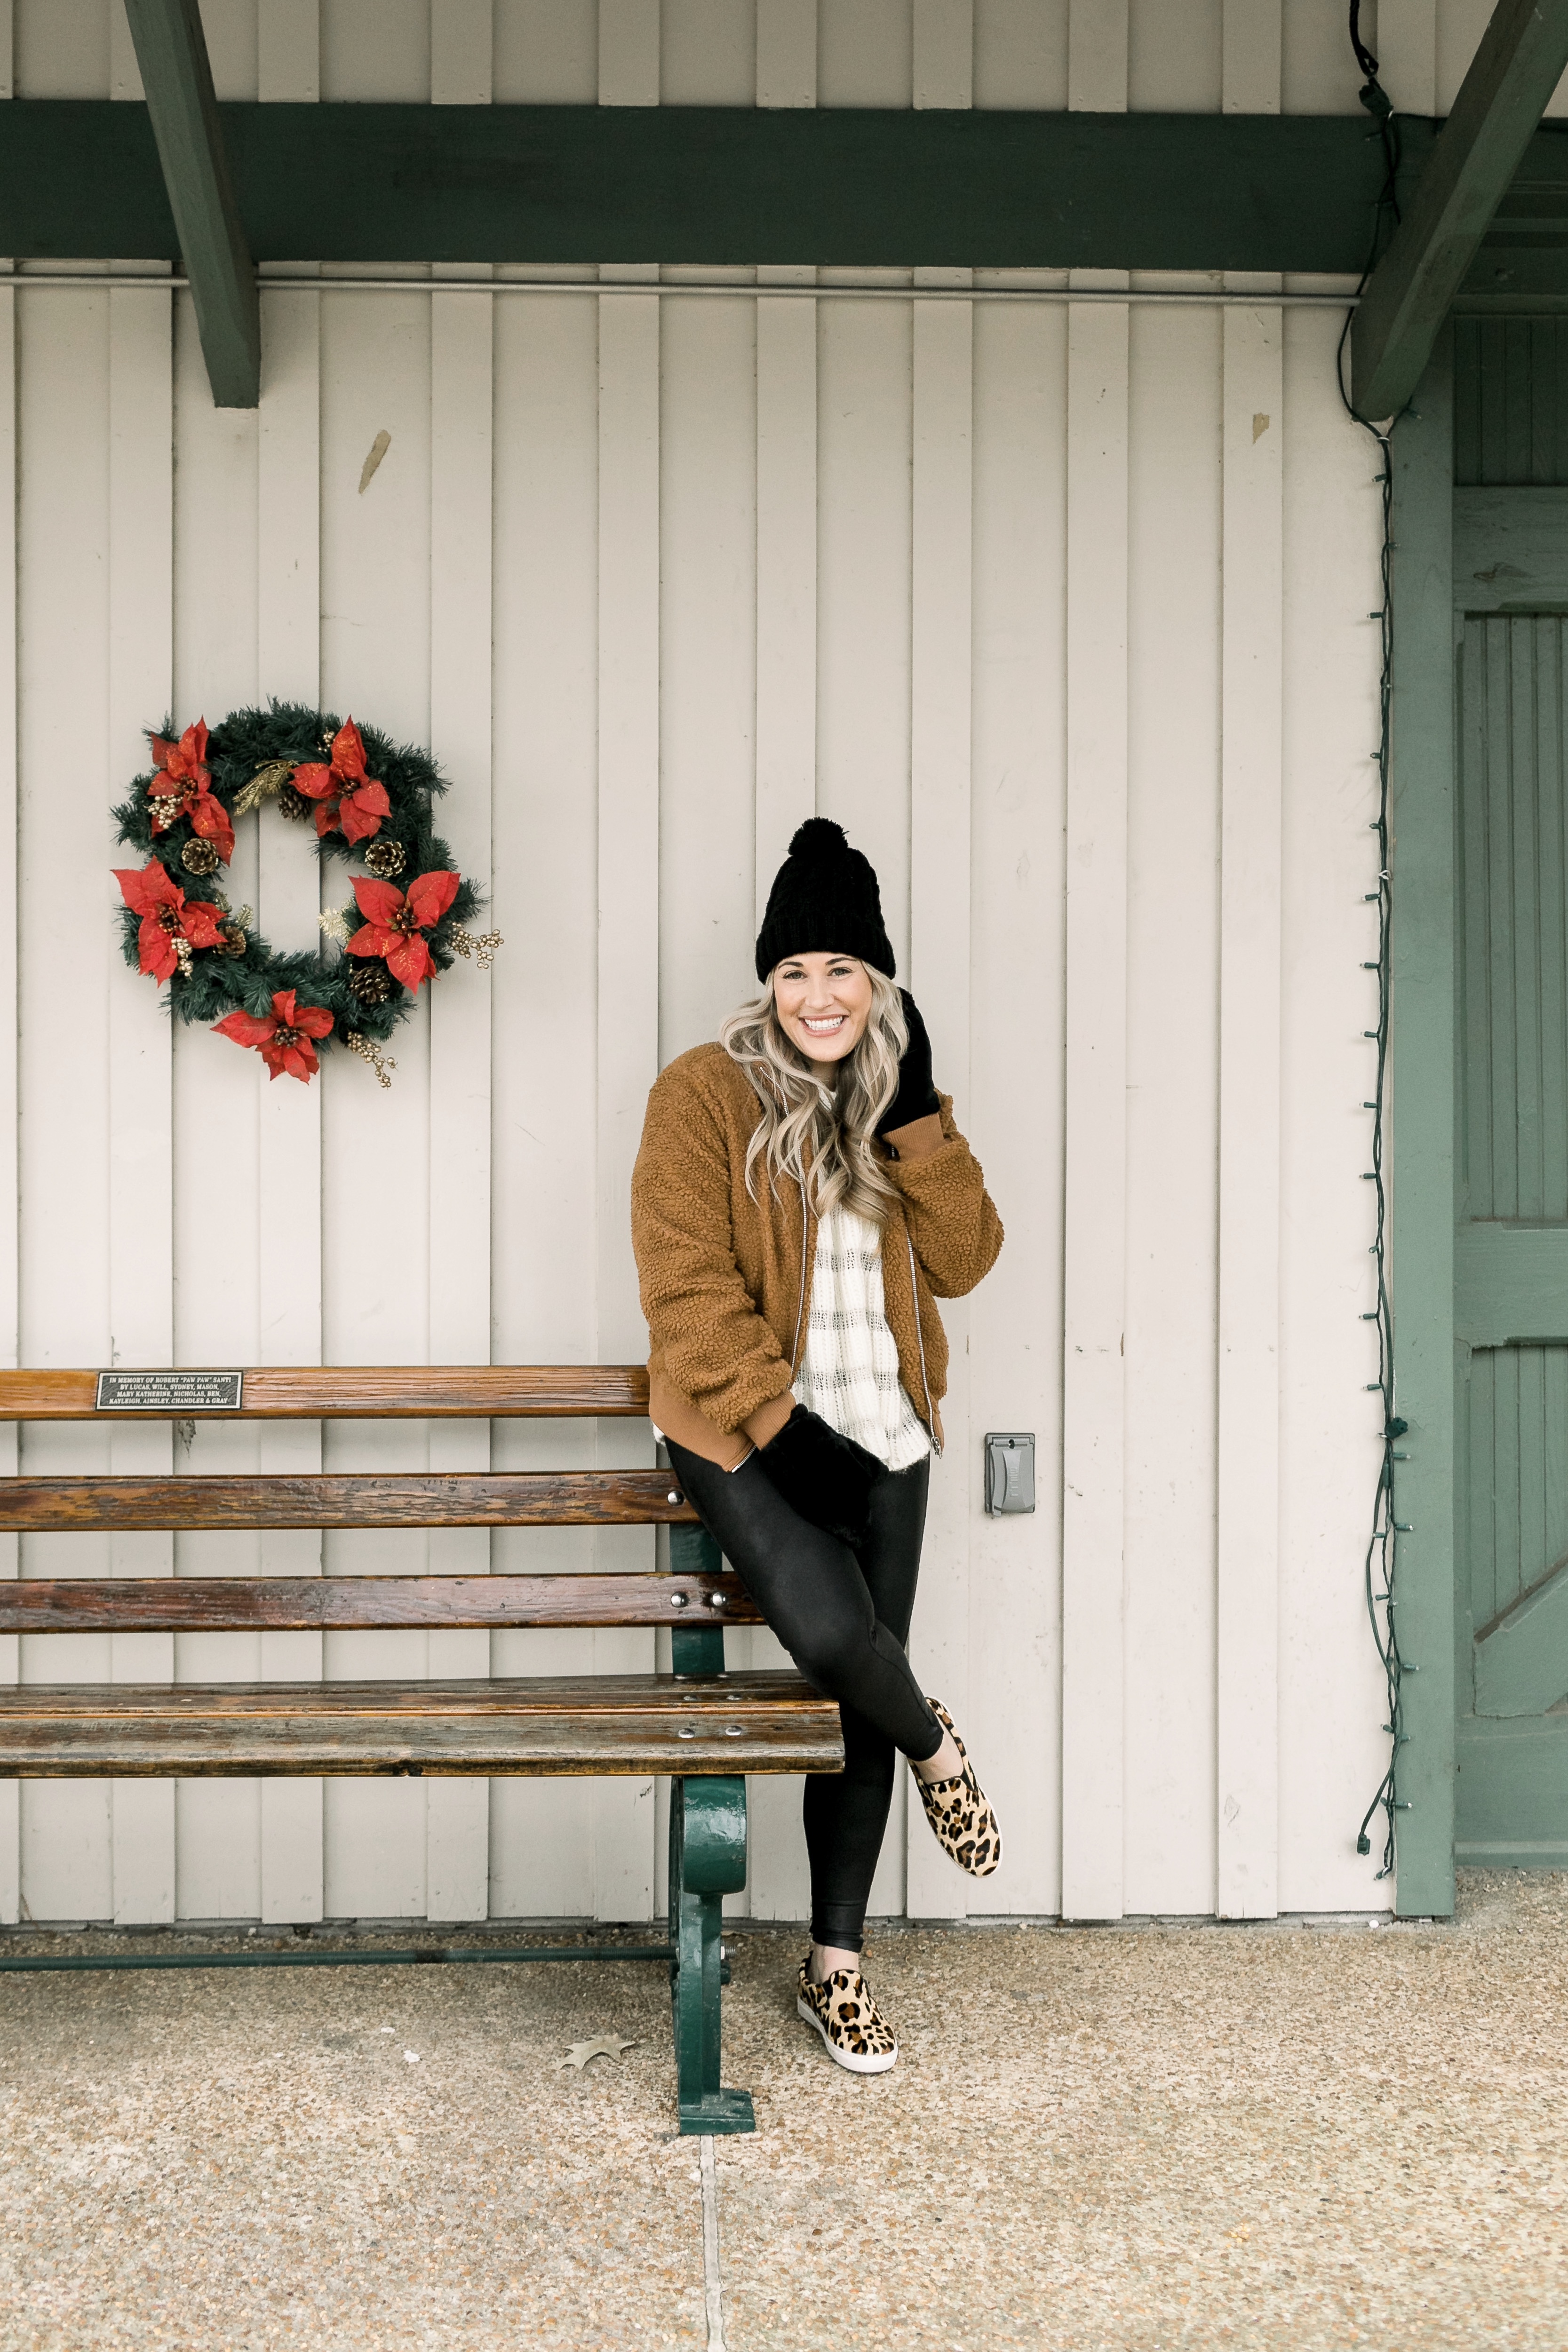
x: 386, y: 859
x: 292, y: 802
x: 199, y: 856
x: 370, y: 982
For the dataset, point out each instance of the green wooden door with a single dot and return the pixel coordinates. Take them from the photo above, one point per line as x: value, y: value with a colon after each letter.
x: 1511, y: 576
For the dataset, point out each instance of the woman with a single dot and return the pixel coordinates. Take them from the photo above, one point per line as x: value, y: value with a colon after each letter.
x: 801, y: 1198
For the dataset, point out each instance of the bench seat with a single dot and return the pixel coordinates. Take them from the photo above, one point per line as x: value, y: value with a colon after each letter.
x: 641, y: 1724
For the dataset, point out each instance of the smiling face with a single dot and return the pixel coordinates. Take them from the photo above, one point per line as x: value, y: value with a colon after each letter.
x: 823, y: 1003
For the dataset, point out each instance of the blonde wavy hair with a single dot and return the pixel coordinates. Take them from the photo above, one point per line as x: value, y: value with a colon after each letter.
x: 821, y: 1136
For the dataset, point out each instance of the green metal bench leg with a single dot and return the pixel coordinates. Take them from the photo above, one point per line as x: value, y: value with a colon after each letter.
x: 707, y: 1862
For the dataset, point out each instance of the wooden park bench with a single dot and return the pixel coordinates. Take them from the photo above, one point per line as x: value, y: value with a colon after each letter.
x: 703, y: 1726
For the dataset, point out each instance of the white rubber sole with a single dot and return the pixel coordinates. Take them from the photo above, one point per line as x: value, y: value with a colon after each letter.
x: 845, y: 2058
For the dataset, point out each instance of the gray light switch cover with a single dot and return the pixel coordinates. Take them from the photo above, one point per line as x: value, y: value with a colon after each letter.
x: 1009, y: 1471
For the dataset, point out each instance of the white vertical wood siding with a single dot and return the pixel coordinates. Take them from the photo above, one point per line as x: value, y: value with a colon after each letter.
x: 1061, y: 610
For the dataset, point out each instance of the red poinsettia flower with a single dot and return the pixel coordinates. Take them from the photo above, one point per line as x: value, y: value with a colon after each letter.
x: 284, y: 1040
x: 395, y: 926
x: 183, y: 787
x: 352, y: 802
x: 167, y: 921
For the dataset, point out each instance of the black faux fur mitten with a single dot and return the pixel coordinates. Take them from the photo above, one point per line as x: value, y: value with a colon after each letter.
x: 825, y: 1477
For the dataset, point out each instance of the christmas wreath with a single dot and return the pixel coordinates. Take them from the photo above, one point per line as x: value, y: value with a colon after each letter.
x: 370, y: 798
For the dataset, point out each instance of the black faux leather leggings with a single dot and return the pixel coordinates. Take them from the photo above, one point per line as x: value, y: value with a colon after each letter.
x: 844, y: 1617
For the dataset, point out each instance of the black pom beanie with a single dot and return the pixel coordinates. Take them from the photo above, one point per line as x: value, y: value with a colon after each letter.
x: 824, y: 899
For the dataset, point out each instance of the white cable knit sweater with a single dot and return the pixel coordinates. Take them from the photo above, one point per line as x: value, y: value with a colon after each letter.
x: 850, y: 1369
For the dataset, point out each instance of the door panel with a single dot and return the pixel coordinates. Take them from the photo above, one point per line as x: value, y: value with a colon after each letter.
x: 1518, y: 1656
x: 1510, y: 1282
x: 1516, y: 1441
x: 1510, y: 400
x: 1514, y: 948
x: 1511, y: 1257
x: 1511, y: 551
x: 1512, y: 1793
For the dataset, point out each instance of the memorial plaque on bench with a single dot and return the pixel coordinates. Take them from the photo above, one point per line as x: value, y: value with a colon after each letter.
x: 169, y: 1393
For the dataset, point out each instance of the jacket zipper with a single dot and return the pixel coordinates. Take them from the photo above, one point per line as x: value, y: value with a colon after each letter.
x: 919, y: 1341
x: 800, y: 1310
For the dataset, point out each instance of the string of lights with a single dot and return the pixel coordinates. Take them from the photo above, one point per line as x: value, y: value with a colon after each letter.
x: 1382, y: 1561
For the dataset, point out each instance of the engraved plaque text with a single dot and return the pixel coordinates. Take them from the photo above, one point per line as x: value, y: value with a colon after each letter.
x: 170, y: 1392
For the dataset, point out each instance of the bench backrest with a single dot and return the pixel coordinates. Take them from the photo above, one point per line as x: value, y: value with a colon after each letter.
x: 695, y: 1594
x: 362, y: 1392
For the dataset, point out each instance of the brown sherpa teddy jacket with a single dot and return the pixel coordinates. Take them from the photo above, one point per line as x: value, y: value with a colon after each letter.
x: 726, y: 1279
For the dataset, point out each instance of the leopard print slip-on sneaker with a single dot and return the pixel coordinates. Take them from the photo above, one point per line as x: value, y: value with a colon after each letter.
x: 960, y: 1811
x: 852, y: 2027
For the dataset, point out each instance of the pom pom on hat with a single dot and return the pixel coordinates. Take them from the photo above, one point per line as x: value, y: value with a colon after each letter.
x: 824, y: 901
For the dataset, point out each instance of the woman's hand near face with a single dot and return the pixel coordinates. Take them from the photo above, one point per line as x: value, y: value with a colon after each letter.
x: 823, y: 1003
x: 917, y: 1094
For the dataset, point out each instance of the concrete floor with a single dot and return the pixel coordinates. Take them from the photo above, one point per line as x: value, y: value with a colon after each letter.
x: 1123, y: 2138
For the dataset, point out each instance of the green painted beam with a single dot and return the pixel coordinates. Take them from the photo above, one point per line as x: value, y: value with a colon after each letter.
x: 844, y: 186
x: 1422, y: 1058
x: 1512, y: 75
x: 171, y: 52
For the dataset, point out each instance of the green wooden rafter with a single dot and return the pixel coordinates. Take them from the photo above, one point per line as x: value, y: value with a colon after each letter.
x: 171, y: 52
x: 1511, y: 77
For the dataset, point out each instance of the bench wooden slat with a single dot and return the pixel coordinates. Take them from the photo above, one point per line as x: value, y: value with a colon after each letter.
x: 524, y: 1498
x: 160, y: 1604
x: 376, y: 1392
x: 562, y: 1725
x: 440, y: 1697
